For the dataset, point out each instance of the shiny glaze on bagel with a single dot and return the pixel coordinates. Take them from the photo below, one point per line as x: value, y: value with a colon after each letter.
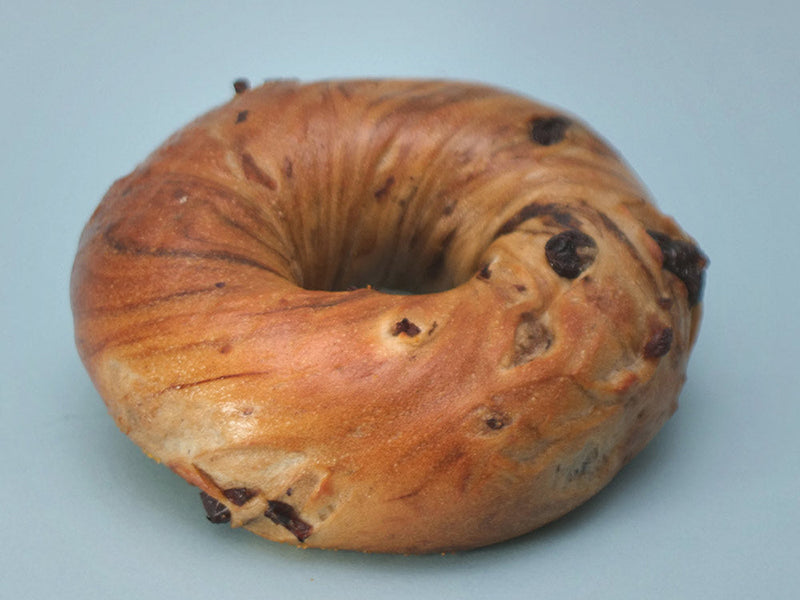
x: 236, y: 305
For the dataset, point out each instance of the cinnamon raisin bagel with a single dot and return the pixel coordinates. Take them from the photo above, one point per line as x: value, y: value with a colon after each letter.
x: 237, y: 304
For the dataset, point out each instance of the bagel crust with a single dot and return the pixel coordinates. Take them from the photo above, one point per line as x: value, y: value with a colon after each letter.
x: 236, y: 303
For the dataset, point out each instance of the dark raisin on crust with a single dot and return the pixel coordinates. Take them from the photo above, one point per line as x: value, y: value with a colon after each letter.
x: 286, y: 516
x: 684, y: 260
x: 547, y: 131
x: 241, y: 85
x: 216, y: 511
x: 407, y: 327
x: 241, y: 117
x: 239, y: 496
x: 570, y: 252
x: 495, y: 423
x: 659, y: 343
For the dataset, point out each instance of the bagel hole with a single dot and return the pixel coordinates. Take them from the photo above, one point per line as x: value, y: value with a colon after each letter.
x: 420, y: 265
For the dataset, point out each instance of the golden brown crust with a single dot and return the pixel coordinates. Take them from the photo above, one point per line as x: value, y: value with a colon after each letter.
x: 545, y: 344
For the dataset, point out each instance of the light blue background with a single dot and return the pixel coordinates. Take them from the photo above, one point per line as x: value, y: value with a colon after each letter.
x: 703, y: 98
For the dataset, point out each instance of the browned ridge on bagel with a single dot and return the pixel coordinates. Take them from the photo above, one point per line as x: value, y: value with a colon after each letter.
x: 386, y: 315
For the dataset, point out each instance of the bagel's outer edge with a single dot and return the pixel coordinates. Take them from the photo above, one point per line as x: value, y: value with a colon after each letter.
x: 515, y: 396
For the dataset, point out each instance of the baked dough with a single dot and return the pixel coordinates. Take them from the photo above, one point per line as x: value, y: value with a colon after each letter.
x: 236, y: 302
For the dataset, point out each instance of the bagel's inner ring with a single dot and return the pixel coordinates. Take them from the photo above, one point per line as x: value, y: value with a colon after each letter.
x: 232, y: 304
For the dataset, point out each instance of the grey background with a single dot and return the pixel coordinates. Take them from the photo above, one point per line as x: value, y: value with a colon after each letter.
x: 701, y: 98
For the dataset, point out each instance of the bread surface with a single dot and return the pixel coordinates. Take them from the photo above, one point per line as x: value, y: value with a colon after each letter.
x: 236, y: 305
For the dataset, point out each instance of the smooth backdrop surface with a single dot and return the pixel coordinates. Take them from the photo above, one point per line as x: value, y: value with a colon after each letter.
x: 701, y: 98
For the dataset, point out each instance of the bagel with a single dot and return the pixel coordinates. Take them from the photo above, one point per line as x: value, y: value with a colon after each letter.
x: 386, y: 315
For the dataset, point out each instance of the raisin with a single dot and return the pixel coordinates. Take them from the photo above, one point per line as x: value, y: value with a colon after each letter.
x: 659, y: 343
x: 407, y: 327
x: 239, y: 496
x: 547, y: 131
x: 286, y: 516
x: 570, y: 253
x: 216, y: 511
x: 495, y: 423
x: 684, y: 260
